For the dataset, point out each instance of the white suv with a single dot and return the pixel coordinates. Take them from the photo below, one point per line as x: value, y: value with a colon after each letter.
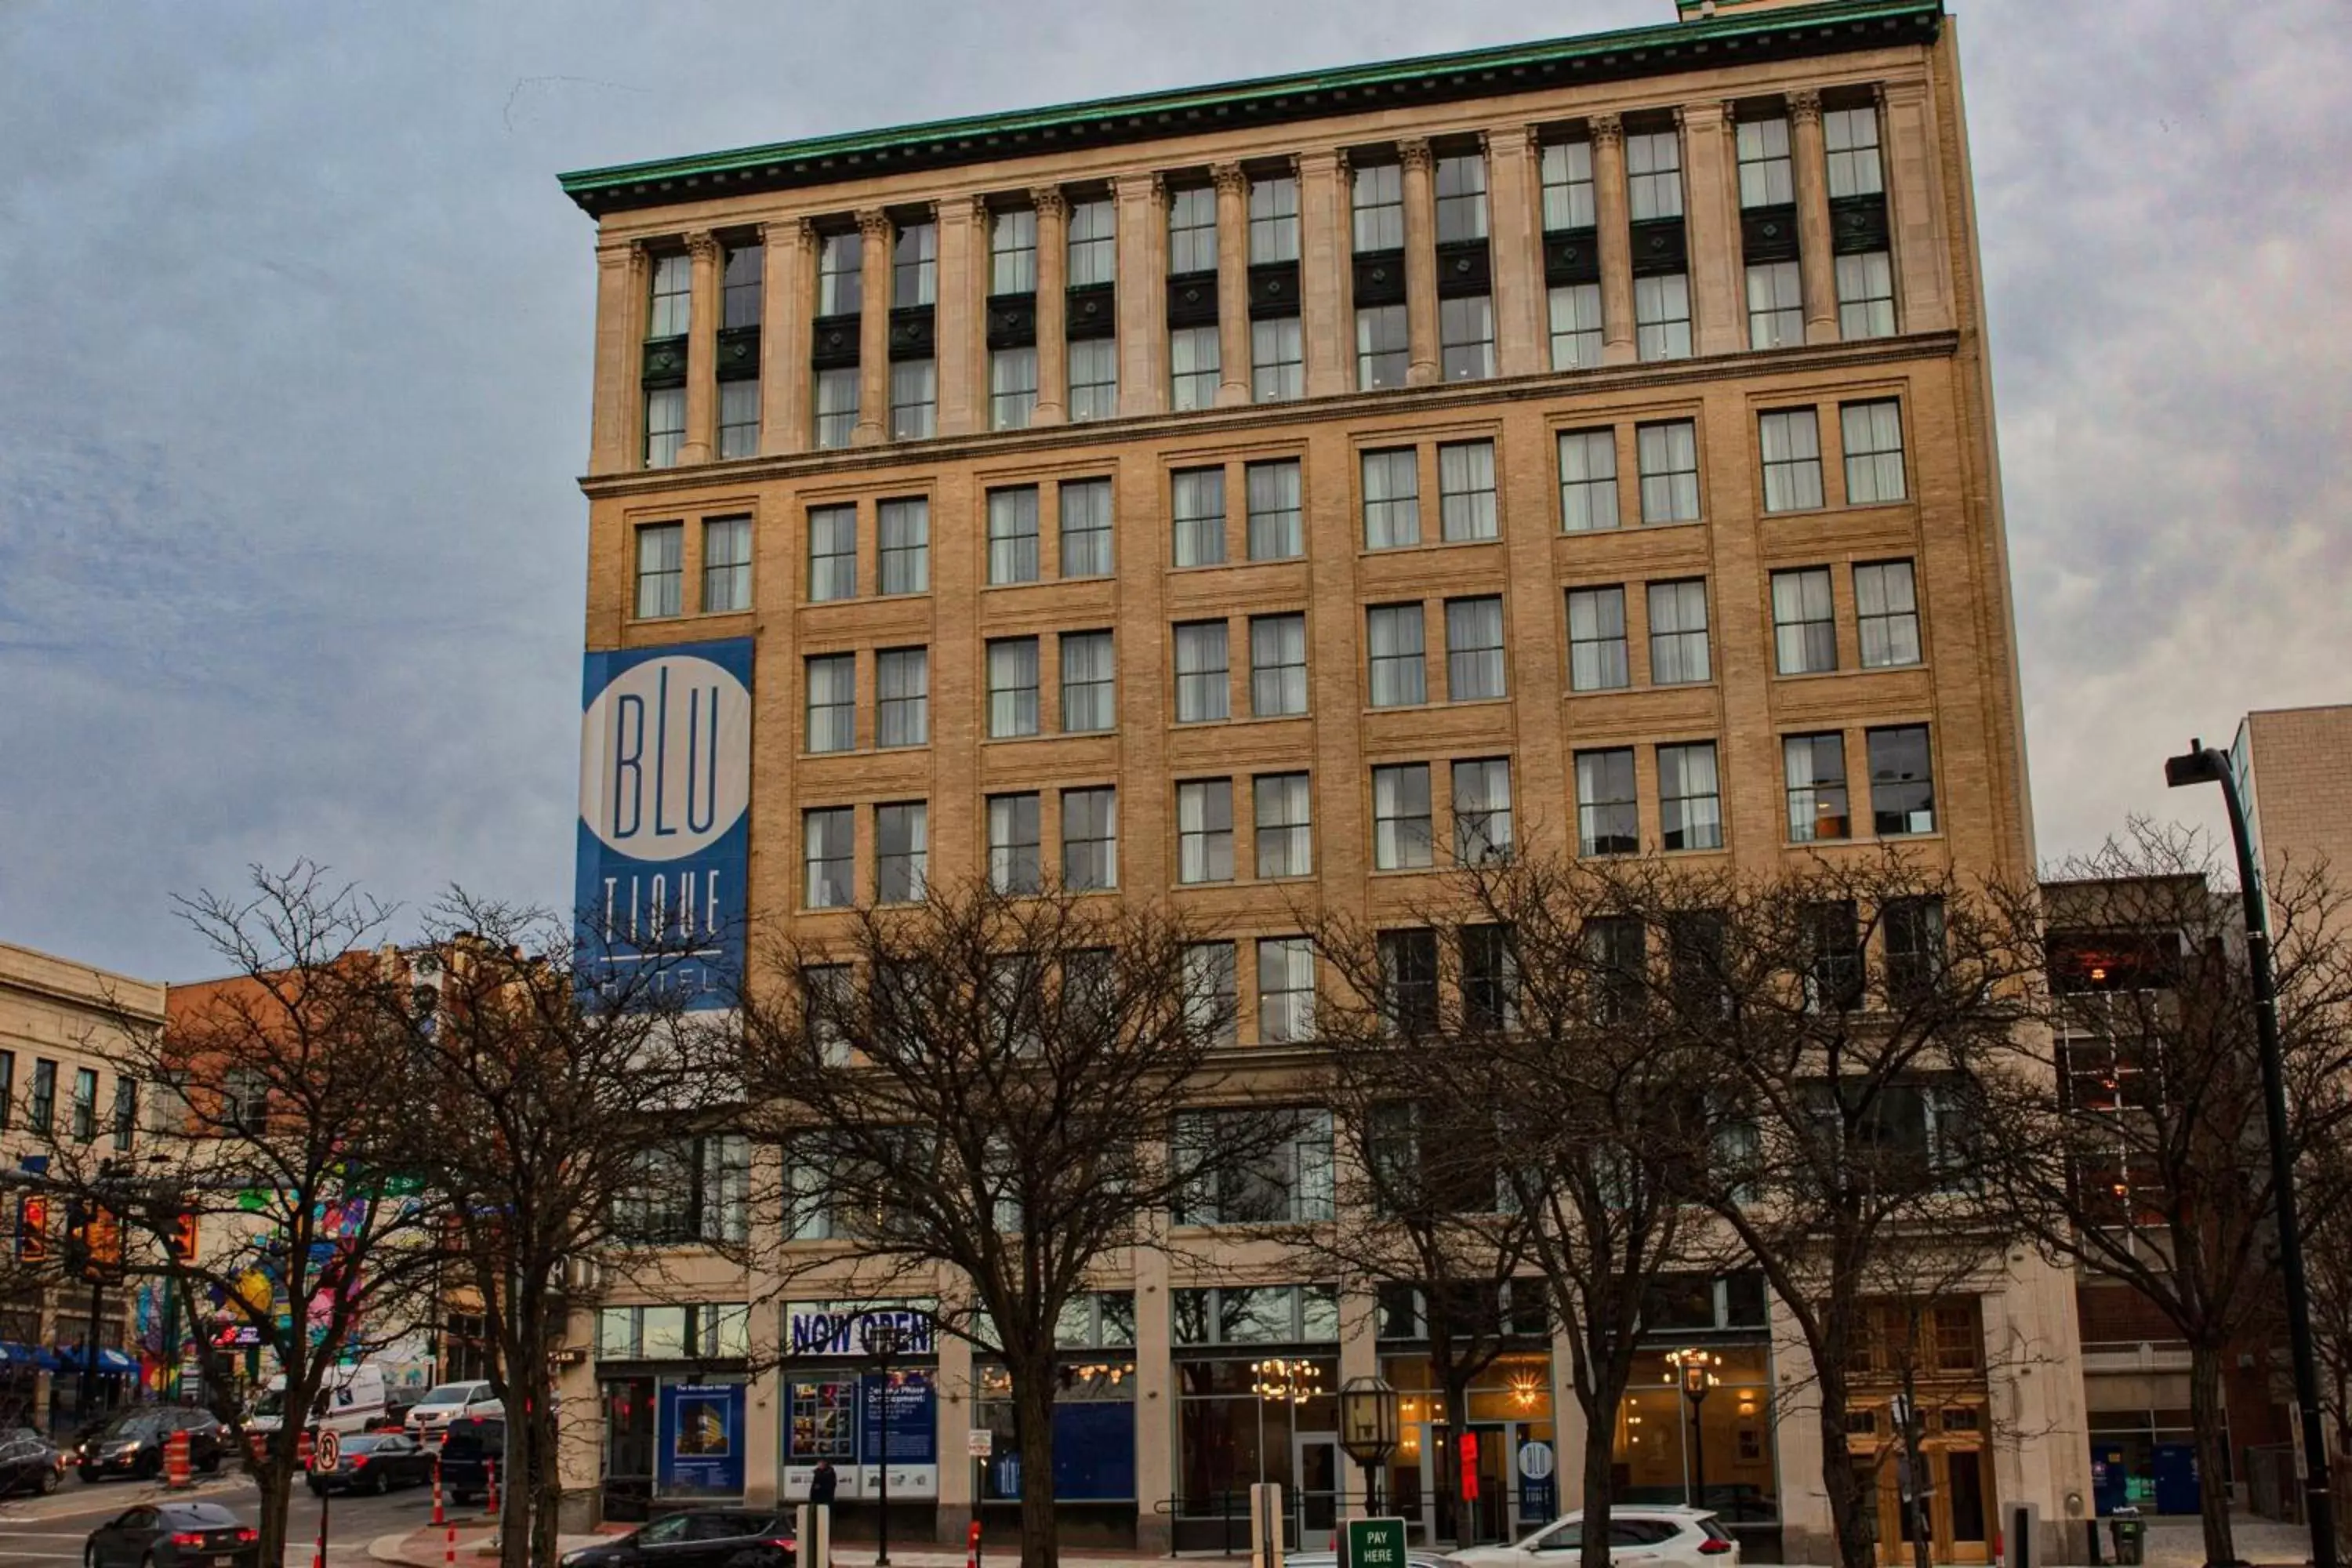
x: 429, y: 1417
x: 1666, y: 1535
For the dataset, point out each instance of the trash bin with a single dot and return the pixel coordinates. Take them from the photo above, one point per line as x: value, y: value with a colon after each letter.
x: 2129, y: 1533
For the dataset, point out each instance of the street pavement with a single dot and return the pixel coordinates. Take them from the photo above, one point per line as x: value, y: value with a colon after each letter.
x: 47, y: 1533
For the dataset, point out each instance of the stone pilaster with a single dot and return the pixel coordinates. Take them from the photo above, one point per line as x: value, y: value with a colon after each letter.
x: 787, y: 304
x: 1232, y: 285
x: 1420, y: 260
x: 957, y: 316
x: 1924, y: 287
x: 1613, y: 210
x: 1514, y: 226
x: 614, y: 446
x: 1325, y: 248
x: 703, y: 352
x: 1813, y: 234
x: 1053, y: 304
x: 1711, y: 219
x: 873, y: 227
x: 1142, y: 293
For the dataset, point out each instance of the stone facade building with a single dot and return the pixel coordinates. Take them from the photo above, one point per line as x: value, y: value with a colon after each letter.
x: 1231, y: 496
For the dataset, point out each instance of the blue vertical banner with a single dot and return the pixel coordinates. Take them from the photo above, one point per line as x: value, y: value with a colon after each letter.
x: 664, y: 817
x: 909, y: 1404
x: 701, y: 1438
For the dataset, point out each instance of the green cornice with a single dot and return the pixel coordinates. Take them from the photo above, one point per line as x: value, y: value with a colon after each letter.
x: 1730, y: 37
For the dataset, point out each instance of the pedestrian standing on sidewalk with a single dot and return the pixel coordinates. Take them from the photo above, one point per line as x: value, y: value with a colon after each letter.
x: 823, y: 1484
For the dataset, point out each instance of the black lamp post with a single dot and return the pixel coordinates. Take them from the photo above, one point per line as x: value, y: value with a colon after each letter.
x: 1695, y: 1371
x: 1368, y: 1430
x: 2204, y: 764
x: 882, y: 1343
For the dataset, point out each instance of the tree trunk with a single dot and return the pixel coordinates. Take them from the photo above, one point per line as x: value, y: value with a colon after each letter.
x: 1450, y: 1501
x: 1854, y: 1511
x: 1033, y: 1405
x: 274, y: 1479
x: 2206, y: 1416
x: 542, y: 1481
x: 1600, y: 1474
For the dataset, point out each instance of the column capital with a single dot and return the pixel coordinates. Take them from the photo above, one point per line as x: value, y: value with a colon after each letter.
x: 1049, y: 201
x: 1534, y: 137
x: 1230, y: 179
x: 803, y: 234
x: 875, y: 224
x: 978, y: 211
x: 1606, y: 130
x: 1481, y: 136
x: 702, y: 244
x: 1805, y: 106
x: 1414, y: 154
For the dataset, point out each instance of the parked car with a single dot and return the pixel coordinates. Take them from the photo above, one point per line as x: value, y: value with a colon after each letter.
x: 469, y: 1445
x: 130, y: 1442
x: 711, y: 1538
x: 174, y: 1535
x: 1667, y: 1535
x: 376, y: 1462
x: 450, y: 1402
x: 29, y: 1462
x: 1414, y: 1558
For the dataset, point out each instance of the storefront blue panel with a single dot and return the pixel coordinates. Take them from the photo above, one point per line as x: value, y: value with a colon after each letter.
x: 700, y: 1439
x: 1093, y: 1452
x: 912, y: 1407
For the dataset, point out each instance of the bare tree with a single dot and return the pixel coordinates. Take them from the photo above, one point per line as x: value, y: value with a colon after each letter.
x: 2150, y: 1166
x: 981, y: 1090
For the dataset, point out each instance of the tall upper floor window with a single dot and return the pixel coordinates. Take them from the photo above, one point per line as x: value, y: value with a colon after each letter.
x: 1012, y: 687
x: 1654, y: 174
x: 1461, y: 197
x: 1204, y: 831
x: 1384, y: 346
x: 1392, y: 498
x: 1285, y: 825
x: 1089, y: 682
x: 1195, y: 362
x: 1668, y: 453
x: 1278, y: 360
x: 1397, y: 654
x: 1085, y: 528
x: 915, y: 266
x: 840, y: 273
x: 835, y: 415
x: 1401, y: 837
x: 1203, y: 673
x: 1277, y: 528
x: 1886, y: 613
x: 904, y: 527
x: 1011, y: 388
x: 741, y: 285
x: 914, y: 399
x: 1274, y: 219
x: 1678, y: 632
x: 1567, y: 195
x: 1094, y: 243
x: 1792, y: 460
x: 1277, y: 666
x: 1466, y: 489
x: 1012, y: 535
x: 902, y: 697
x: 1378, y: 194
x: 1193, y: 230
x: 1597, y: 660
x: 661, y: 570
x: 1198, y: 514
x: 726, y: 564
x: 665, y: 426
x: 1474, y: 649
x: 1587, y: 481
x: 1851, y: 136
x: 1012, y: 252
x: 833, y: 553
x: 1873, y: 452
x: 84, y: 1105
x: 1766, y: 177
x: 1093, y: 379
x: 667, y: 311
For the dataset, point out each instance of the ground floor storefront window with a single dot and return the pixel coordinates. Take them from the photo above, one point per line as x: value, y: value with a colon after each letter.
x: 1716, y: 1451
x: 671, y: 1382
x: 875, y: 1418
x: 1505, y: 1474
x: 1256, y: 1373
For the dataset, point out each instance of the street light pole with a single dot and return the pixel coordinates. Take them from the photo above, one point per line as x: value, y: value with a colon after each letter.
x: 881, y: 1338
x: 2204, y: 764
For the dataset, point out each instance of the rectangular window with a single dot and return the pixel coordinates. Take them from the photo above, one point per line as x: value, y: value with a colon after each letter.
x: 1466, y: 338
x: 1408, y: 998
x: 669, y: 308
x: 665, y: 426
x: 1813, y: 767
x: 1383, y: 347
x: 1274, y: 220
x: 1204, y: 831
x: 1461, y: 197
x: 1401, y: 830
x: 1015, y: 865
x: 1012, y: 388
x: 833, y: 703
x: 1901, y: 782
x: 1474, y: 649
x: 902, y: 850
x: 914, y: 400
x: 1197, y: 508
x: 1466, y: 489
x: 1576, y: 327
x: 1804, y: 623
x: 1766, y: 177
x: 828, y: 849
x: 904, y: 527
x: 1194, y: 367
x: 837, y: 407
x: 1012, y: 687
x: 1597, y: 660
x: 1661, y: 323
x: 1669, y: 459
x: 1203, y: 675
x: 1400, y: 668
x: 1678, y: 633
x: 1285, y: 813
x: 1090, y: 680
x: 1690, y: 803
x: 1192, y: 230
x: 1865, y: 291
x: 1792, y: 460
x: 1277, y: 666
x: 1212, y: 990
x: 1012, y: 535
x: 1378, y: 200
x: 840, y: 273
x: 241, y: 1112
x: 1915, y: 946
x: 1886, y: 614
x: 1654, y: 174
x: 741, y: 285
x: 1089, y: 839
x: 1873, y: 452
x: 902, y: 682
x: 8, y: 1086
x: 1277, y: 526
x: 1568, y: 196
x: 739, y: 419
x: 661, y: 569
x: 1012, y: 252
x: 915, y: 266
x: 1776, y: 305
x: 726, y: 564
x: 1085, y: 528
x: 1278, y: 360
x: 833, y: 553
x: 1392, y: 498
x: 1094, y: 243
x: 1587, y: 481
x: 1608, y: 817
x: 1286, y: 990
x: 1850, y: 139
x: 126, y: 1112
x: 1617, y: 947
x: 84, y: 1105
x: 1482, y: 810
x: 1093, y: 379
x: 1835, y: 957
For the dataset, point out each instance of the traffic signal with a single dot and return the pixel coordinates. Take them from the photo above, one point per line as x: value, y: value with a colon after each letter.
x: 33, y: 1229
x: 182, y: 1239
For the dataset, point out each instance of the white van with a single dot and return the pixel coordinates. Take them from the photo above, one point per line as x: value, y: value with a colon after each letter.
x: 430, y: 1416
x: 354, y: 1398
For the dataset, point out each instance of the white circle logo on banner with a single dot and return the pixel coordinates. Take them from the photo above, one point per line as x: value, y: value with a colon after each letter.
x: 666, y: 758
x: 1535, y: 1460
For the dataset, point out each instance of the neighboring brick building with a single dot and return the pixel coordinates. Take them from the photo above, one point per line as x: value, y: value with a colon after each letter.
x: 2297, y: 767
x: 1021, y: 467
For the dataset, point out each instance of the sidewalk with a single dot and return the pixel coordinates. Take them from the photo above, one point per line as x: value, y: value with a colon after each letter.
x: 427, y: 1548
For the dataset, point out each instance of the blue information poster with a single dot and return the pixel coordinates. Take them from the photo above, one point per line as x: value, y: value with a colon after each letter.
x: 911, y: 1404
x: 701, y: 1430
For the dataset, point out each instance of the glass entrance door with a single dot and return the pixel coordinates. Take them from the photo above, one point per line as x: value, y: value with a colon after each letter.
x: 1316, y: 1462
x: 628, y: 1447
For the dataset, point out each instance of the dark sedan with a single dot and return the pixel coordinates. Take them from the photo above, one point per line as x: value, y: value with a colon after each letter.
x: 28, y: 1462
x: 376, y: 1462
x: 712, y: 1538
x: 174, y: 1535
x: 130, y: 1442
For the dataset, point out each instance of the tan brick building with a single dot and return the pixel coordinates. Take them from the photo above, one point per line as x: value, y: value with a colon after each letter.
x: 2296, y: 765
x: 1251, y: 494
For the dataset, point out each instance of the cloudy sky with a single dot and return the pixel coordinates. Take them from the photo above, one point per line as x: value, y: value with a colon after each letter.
x: 294, y: 370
